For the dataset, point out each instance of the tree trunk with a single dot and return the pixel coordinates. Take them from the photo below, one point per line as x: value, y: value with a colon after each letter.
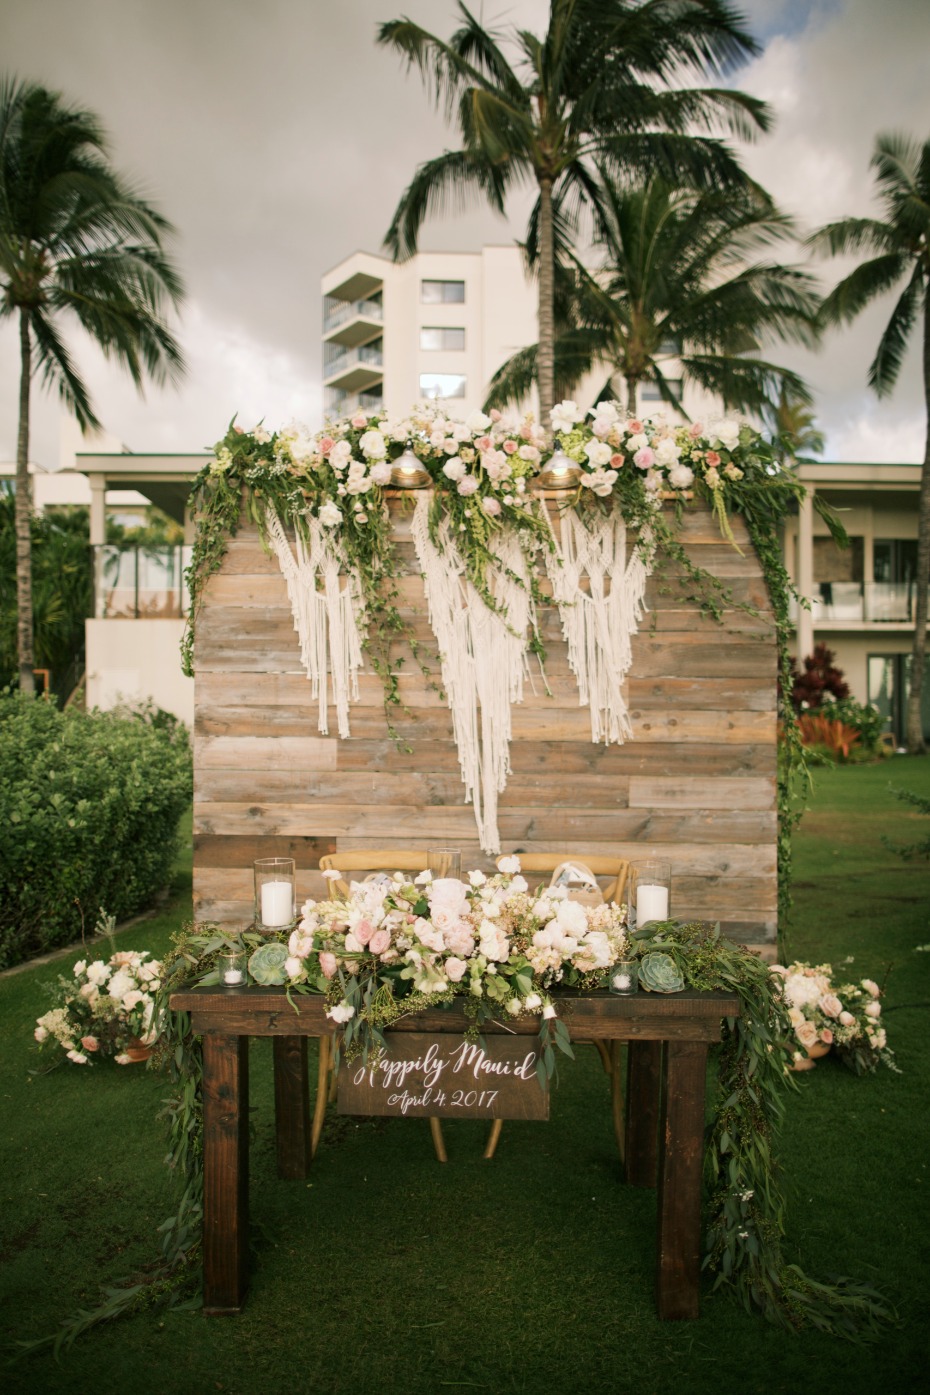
x: 631, y: 395
x: 915, y: 735
x: 24, y: 517
x: 545, y: 365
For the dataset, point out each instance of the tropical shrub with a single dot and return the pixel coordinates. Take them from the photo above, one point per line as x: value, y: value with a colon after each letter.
x: 827, y: 734
x: 91, y: 803
x: 818, y: 681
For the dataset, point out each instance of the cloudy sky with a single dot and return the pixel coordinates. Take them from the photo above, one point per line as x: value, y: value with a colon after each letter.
x: 277, y: 138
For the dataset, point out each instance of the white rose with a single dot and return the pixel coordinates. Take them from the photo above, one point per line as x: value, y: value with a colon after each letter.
x: 598, y: 452
x: 132, y: 999
x: 381, y: 472
x: 120, y: 984
x: 680, y: 476
x: 293, y: 966
x: 726, y: 432
x: 372, y: 445
x: 455, y: 969
x: 532, y: 1001
x: 510, y: 865
x: 330, y: 515
x: 564, y: 416
x: 477, y: 421
x: 98, y: 972
x: 339, y: 455
x: 667, y: 452
x: 454, y: 469
x: 79, y: 967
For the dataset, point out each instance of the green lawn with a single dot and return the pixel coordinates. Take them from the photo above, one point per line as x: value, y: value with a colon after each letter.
x: 387, y: 1274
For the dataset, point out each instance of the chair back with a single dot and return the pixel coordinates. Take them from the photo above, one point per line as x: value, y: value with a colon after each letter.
x: 611, y: 872
x: 370, y: 860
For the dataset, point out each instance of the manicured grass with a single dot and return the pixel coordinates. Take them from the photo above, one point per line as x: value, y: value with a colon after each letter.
x: 386, y: 1274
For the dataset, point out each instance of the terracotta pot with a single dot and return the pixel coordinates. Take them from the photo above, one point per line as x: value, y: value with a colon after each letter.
x: 814, y: 1054
x: 137, y: 1052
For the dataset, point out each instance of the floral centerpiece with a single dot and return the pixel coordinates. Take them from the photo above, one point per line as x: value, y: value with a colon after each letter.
x: 105, y: 1008
x: 844, y: 1016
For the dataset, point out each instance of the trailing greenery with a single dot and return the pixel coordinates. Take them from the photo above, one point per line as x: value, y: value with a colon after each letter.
x: 92, y: 802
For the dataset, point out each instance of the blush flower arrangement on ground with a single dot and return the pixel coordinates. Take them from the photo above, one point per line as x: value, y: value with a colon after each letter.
x: 843, y: 1016
x: 105, y: 1008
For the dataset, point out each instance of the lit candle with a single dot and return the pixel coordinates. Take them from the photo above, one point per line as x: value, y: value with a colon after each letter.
x: 651, y: 903
x: 621, y: 981
x: 277, y: 903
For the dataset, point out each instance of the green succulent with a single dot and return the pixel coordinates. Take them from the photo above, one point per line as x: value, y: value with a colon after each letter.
x: 658, y: 973
x: 266, y: 965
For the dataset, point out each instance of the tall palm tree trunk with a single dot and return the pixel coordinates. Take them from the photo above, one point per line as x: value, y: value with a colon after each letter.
x: 631, y: 383
x: 24, y: 516
x: 546, y: 312
x: 915, y: 735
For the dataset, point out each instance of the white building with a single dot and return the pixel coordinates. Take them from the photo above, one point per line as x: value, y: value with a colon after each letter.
x: 862, y: 598
x: 435, y: 327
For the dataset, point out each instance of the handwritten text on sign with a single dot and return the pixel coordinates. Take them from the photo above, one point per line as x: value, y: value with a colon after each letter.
x: 425, y: 1076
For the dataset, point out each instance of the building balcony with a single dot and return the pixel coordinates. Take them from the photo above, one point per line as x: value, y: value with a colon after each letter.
x: 344, y: 404
x: 139, y: 583
x: 355, y: 370
x: 856, y: 605
x: 352, y: 322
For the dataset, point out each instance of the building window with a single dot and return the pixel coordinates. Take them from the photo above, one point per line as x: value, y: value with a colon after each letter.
x: 442, y: 292
x: 435, y: 337
x: 442, y: 385
x: 649, y: 392
x: 888, y: 688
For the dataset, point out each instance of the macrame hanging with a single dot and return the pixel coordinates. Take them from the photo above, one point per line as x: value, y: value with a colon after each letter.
x: 599, y: 622
x: 482, y: 656
x: 329, y: 617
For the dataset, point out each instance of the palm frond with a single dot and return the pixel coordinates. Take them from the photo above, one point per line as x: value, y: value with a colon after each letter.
x: 865, y: 283
x: 449, y: 181
x: 58, y: 370
x: 886, y: 365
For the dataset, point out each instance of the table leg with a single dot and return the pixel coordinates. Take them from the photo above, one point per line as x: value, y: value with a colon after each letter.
x: 225, y: 1172
x: 680, y: 1169
x: 643, y: 1088
x: 292, y: 1107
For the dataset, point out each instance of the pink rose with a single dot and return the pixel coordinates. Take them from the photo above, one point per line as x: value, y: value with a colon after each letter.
x: 328, y: 963
x: 484, y: 443
x: 455, y: 970
x: 826, y: 1036
x: 326, y: 445
x: 90, y: 1043
x: 873, y: 1009
x: 510, y: 447
x: 379, y: 941
x: 492, y: 507
x: 359, y: 420
x: 644, y: 458
x: 830, y: 1005
x: 494, y: 414
x: 847, y: 1019
x: 806, y: 1034
x: 713, y: 459
x: 634, y: 426
x: 364, y: 931
x: 695, y: 430
x: 616, y: 460
x: 871, y: 987
x: 467, y: 486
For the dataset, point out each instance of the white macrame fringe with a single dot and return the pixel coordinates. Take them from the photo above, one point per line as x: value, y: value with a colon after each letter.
x: 329, y: 618
x: 598, y: 625
x: 483, y: 659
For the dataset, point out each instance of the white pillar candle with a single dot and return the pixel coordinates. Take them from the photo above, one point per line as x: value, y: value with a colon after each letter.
x: 277, y: 903
x: 651, y: 903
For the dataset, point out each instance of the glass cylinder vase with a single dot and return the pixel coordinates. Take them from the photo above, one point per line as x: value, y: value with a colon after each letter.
x: 275, y: 893
x: 650, y: 890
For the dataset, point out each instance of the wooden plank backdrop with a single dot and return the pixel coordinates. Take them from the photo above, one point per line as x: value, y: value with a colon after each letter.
x: 696, y: 784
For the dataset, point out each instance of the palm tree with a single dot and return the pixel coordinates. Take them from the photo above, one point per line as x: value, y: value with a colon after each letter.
x: 796, y: 426
x: 677, y: 284
x: 599, y: 86
x: 901, y: 246
x: 74, y: 237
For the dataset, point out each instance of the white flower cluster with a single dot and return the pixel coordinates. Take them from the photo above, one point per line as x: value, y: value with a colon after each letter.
x: 823, y: 1014
x: 667, y: 455
x: 106, y: 1003
x: 487, y: 937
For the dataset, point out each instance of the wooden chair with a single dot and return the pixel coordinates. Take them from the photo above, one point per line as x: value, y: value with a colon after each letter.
x: 612, y: 874
x: 364, y: 860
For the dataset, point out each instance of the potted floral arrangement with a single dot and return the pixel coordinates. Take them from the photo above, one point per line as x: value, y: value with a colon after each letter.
x: 105, y: 1008
x: 845, y: 1017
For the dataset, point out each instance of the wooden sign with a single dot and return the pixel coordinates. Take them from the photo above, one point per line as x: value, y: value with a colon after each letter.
x: 428, y: 1076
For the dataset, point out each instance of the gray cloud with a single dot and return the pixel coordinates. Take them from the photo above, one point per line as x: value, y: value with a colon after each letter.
x: 278, y: 138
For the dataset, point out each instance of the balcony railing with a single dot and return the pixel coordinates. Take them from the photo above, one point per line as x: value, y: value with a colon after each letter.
x: 342, y: 404
x: 869, y: 602
x: 352, y: 358
x: 341, y: 310
x: 140, y: 582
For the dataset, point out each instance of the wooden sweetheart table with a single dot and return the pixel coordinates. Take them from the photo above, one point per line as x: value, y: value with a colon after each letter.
x: 660, y: 1127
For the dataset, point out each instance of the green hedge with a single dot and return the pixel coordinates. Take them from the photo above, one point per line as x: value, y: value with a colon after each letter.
x: 89, y: 810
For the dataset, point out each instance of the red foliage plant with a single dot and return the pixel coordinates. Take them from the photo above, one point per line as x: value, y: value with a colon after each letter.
x: 817, y: 729
x: 820, y: 680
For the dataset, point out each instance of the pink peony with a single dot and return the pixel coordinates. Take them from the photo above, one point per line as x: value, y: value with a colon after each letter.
x: 467, y: 486
x: 328, y: 963
x: 492, y: 507
x: 379, y: 941
x: 713, y: 459
x: 510, y: 447
x: 484, y: 443
x: 644, y: 458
